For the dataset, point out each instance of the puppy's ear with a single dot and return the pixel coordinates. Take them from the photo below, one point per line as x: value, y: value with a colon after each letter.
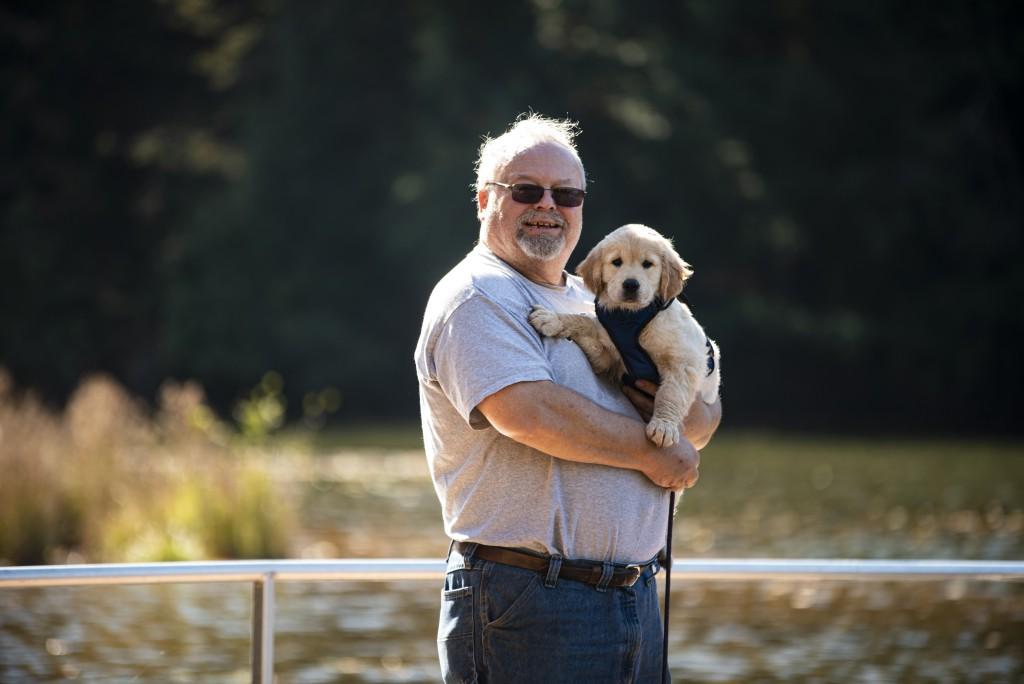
x: 590, y: 270
x: 674, y: 273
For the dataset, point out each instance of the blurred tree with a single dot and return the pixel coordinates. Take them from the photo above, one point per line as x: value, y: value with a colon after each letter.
x: 113, y: 122
x: 224, y: 188
x: 319, y: 261
x: 846, y: 179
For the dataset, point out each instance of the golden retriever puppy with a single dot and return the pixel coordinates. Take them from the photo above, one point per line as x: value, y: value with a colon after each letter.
x: 641, y: 330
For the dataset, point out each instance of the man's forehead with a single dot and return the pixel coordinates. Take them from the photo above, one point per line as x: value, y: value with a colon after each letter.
x: 549, y: 160
x: 526, y: 175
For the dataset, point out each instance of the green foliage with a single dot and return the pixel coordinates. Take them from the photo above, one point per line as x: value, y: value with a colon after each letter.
x: 263, y: 411
x: 231, y: 187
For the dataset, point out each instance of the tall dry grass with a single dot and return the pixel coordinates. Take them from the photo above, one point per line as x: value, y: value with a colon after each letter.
x: 106, y: 481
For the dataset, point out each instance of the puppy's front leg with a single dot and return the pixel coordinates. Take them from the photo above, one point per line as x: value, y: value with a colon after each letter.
x: 584, y: 330
x: 671, y: 403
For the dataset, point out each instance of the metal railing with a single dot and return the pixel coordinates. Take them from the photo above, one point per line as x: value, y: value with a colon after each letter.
x: 263, y: 575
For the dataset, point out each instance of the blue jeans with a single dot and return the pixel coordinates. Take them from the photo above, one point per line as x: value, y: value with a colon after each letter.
x: 506, y: 625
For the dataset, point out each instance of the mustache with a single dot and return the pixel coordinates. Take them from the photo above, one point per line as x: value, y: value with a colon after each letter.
x: 534, y: 215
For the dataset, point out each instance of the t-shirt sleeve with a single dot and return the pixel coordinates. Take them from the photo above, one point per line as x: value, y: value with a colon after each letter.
x: 483, y: 348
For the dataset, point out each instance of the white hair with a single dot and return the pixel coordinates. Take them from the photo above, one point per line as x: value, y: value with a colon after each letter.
x: 528, y: 130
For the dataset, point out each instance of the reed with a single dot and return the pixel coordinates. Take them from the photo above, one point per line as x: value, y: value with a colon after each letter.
x: 104, y: 480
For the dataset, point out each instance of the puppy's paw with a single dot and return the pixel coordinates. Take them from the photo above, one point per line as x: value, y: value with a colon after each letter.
x: 662, y: 432
x: 546, y: 322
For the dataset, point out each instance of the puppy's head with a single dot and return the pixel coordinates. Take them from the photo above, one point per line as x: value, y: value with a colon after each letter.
x: 633, y: 265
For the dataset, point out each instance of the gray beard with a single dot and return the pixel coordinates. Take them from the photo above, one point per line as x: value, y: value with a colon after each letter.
x: 541, y: 247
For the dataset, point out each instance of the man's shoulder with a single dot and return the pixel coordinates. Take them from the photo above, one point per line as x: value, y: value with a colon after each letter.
x: 481, y: 274
x: 481, y: 295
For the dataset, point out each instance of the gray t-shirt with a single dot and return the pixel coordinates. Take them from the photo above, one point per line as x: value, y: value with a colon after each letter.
x: 493, y: 490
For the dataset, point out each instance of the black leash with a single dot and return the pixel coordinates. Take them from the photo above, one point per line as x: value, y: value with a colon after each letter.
x: 668, y: 585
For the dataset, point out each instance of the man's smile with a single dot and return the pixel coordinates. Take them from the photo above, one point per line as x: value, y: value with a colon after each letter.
x: 542, y: 224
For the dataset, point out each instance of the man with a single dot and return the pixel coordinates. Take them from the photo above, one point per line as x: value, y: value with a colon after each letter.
x: 554, y: 499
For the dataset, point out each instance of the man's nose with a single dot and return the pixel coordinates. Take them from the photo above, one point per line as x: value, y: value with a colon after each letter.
x: 546, y: 201
x: 630, y: 284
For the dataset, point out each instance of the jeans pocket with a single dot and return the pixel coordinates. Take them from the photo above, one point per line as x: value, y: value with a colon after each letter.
x: 509, y: 593
x: 456, y: 636
x: 456, y: 614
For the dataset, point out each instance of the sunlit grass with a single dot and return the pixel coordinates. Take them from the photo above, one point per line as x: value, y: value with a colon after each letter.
x: 105, y: 481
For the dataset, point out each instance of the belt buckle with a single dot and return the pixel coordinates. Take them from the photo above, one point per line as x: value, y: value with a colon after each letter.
x: 634, y: 572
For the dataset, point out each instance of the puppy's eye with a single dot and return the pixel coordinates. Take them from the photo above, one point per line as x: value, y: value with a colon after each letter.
x: 616, y: 262
x: 646, y: 264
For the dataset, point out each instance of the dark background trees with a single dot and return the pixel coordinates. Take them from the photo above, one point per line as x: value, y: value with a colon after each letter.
x: 214, y: 190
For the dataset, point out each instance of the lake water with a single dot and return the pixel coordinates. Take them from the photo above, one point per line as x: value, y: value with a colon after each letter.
x: 758, y: 496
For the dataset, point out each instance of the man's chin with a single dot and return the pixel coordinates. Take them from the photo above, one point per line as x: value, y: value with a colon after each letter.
x: 541, y: 248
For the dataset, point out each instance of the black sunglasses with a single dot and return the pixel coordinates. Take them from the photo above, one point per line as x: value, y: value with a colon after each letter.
x: 528, y: 193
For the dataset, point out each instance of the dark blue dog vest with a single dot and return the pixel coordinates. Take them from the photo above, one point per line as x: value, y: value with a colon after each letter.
x: 624, y: 327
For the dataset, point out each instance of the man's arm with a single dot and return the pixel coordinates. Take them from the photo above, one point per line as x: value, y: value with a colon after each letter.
x: 561, y: 423
x: 700, y: 423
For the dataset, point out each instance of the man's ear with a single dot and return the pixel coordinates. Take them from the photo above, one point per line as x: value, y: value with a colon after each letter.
x: 481, y: 202
x: 674, y: 273
x: 590, y: 269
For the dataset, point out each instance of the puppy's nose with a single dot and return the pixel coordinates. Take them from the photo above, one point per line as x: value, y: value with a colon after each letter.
x: 631, y: 285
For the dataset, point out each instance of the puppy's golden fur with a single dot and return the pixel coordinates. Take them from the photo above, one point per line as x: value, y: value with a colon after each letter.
x: 673, y: 339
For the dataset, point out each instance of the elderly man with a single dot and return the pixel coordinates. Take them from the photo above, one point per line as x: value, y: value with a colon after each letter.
x: 554, y: 499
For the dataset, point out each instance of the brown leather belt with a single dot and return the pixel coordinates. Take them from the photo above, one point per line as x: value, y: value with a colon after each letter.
x: 578, y: 571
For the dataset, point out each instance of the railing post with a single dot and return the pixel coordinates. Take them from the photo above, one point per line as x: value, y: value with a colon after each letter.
x: 263, y: 630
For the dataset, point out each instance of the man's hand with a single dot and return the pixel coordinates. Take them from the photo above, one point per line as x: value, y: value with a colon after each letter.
x: 698, y: 426
x: 674, y: 467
